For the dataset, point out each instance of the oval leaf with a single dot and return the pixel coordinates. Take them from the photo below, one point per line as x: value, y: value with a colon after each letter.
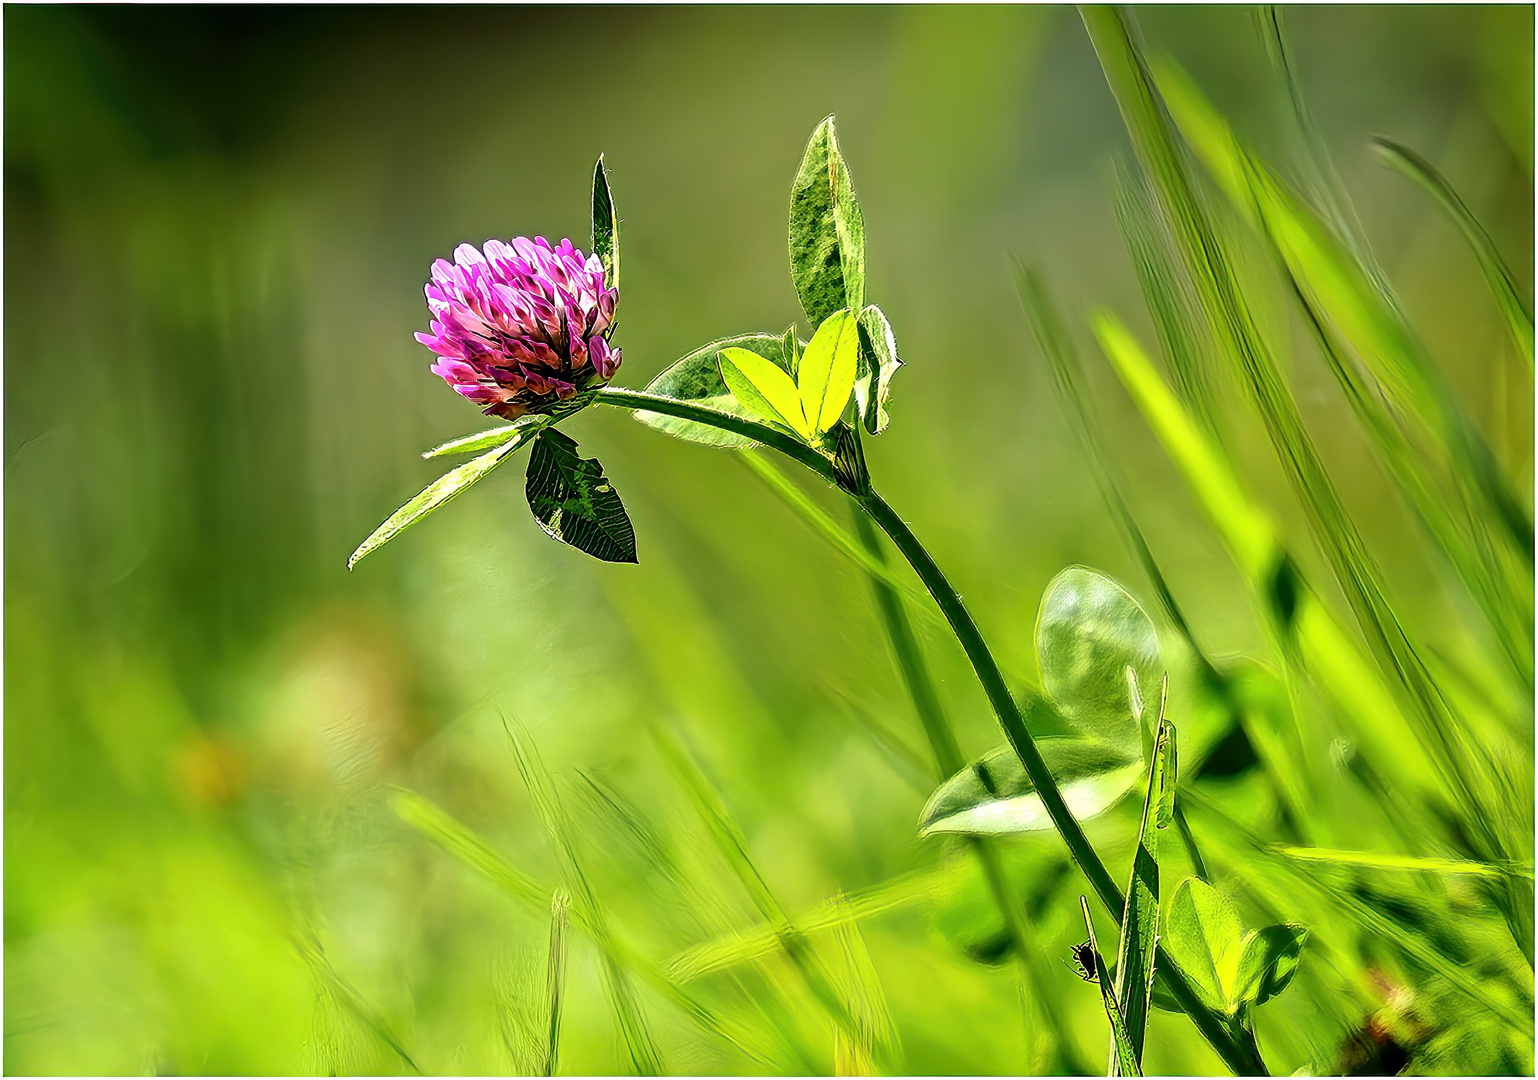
x: 994, y: 796
x: 1202, y: 935
x: 878, y: 363
x: 825, y: 376
x: 1089, y: 634
x: 1268, y: 962
x: 763, y: 389
x: 697, y: 379
x: 485, y: 440
x: 605, y: 225
x: 574, y: 502
x: 439, y: 492
x: 827, y: 232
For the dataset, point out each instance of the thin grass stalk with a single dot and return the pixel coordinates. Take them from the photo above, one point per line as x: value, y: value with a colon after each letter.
x: 462, y: 842
x: 639, y: 1042
x: 732, y: 844
x: 555, y: 980
x: 1514, y: 308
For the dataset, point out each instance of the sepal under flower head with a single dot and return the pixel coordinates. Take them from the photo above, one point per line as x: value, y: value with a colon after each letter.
x: 521, y: 327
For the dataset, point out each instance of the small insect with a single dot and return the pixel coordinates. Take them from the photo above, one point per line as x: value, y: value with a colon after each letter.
x: 1084, y: 962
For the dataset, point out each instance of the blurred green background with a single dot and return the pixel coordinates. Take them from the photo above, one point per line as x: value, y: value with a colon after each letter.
x: 218, y: 222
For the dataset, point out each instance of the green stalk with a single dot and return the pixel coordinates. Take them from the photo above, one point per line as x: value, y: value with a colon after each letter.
x: 1243, y: 1059
x: 948, y: 762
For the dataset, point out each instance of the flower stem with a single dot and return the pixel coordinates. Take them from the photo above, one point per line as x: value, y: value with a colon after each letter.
x: 1240, y: 1055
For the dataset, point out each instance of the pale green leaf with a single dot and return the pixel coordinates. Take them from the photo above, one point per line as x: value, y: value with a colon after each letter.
x: 1267, y: 963
x: 1090, y: 634
x: 826, y: 373
x: 764, y: 389
x: 485, y: 440
x: 878, y: 363
x: 437, y: 493
x: 1203, y: 936
x: 994, y: 796
x: 697, y: 379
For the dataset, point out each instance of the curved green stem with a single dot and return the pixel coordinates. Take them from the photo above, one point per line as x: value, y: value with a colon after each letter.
x: 1240, y: 1055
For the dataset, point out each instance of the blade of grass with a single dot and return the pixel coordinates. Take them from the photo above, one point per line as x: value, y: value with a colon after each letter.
x: 555, y: 980
x: 875, y: 1036
x: 1354, y: 569
x: 1298, y: 621
x: 639, y: 1042
x: 924, y: 886
x: 1337, y: 294
x: 1123, y: 1060
x: 1402, y: 862
x: 1140, y: 918
x: 465, y: 844
x: 732, y: 844
x: 1517, y: 312
x: 343, y: 991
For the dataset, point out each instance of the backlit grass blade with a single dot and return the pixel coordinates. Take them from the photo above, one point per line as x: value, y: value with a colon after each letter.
x: 1140, y: 918
x: 1346, y: 293
x: 1372, y: 860
x: 732, y: 845
x: 343, y: 991
x: 1123, y: 1060
x: 1292, y: 611
x: 1342, y: 288
x: 874, y: 1036
x: 639, y: 1042
x: 555, y: 980
x: 1517, y: 312
x: 745, y: 946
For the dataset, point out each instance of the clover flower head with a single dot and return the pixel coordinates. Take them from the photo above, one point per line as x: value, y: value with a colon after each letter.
x: 521, y: 327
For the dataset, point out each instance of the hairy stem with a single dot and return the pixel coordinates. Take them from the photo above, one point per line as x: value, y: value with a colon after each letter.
x: 1243, y: 1059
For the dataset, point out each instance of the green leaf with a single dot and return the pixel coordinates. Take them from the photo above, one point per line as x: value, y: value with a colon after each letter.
x: 827, y: 232
x: 1090, y: 634
x: 574, y: 502
x: 697, y: 379
x: 764, y: 389
x: 1268, y: 962
x: 878, y: 363
x: 825, y: 376
x: 1124, y: 1059
x: 605, y: 225
x: 485, y: 440
x: 1140, y: 916
x: 437, y: 493
x: 994, y: 796
x: 1203, y: 936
